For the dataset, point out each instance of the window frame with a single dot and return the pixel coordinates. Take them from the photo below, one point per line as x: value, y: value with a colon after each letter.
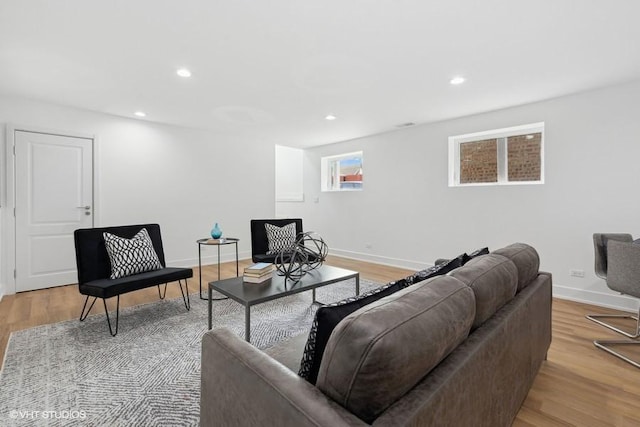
x: 502, y: 154
x: 325, y: 174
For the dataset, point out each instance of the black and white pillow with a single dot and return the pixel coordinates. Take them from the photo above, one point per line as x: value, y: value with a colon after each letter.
x: 280, y: 237
x: 325, y: 321
x: 131, y: 256
x: 436, y: 270
x: 475, y: 254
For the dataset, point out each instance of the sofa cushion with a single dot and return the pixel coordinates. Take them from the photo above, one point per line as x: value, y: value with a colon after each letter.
x: 107, y: 288
x: 526, y: 260
x: 327, y: 318
x: 380, y: 352
x: 493, y: 279
x: 288, y: 351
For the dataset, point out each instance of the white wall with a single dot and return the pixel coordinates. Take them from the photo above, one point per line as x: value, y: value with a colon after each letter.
x: 410, y: 217
x: 183, y: 179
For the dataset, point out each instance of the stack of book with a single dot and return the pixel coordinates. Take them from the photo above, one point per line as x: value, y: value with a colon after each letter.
x: 258, y: 273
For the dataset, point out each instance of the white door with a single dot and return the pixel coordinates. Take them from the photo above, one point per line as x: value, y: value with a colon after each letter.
x: 54, y: 197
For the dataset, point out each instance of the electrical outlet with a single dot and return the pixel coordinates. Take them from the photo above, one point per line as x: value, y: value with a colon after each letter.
x: 576, y: 273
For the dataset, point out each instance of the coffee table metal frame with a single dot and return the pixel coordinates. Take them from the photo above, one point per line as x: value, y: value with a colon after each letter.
x: 249, y: 294
x: 220, y: 242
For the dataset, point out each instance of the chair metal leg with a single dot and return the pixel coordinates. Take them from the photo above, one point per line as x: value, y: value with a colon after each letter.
x: 164, y: 294
x: 596, y: 318
x: 603, y: 345
x: 185, y: 294
x: 104, y: 301
x: 84, y: 315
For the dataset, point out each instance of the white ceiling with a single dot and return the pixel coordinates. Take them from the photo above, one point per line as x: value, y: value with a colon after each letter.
x: 272, y: 70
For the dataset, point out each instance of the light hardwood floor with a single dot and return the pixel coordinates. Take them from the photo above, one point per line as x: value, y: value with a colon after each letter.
x: 578, y: 385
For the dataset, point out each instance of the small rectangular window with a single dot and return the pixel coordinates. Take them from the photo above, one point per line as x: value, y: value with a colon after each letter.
x: 502, y: 156
x: 479, y: 161
x: 524, y: 161
x: 342, y: 172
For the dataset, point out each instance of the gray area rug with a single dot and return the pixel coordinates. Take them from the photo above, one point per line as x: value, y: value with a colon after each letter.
x: 76, y: 374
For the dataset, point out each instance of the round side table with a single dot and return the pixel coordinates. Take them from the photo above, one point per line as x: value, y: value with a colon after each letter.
x: 215, y: 242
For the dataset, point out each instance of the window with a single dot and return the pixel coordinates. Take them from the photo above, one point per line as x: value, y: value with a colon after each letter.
x: 497, y: 157
x: 342, y: 172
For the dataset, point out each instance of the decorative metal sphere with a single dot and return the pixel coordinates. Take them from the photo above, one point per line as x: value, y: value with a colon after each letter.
x: 308, y: 252
x: 315, y: 248
x: 291, y: 263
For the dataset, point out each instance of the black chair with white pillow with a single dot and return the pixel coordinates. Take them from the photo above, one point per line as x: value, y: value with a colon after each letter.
x: 270, y: 236
x: 112, y: 261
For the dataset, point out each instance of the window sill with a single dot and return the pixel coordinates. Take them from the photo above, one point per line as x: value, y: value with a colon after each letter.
x: 497, y: 184
x: 344, y: 190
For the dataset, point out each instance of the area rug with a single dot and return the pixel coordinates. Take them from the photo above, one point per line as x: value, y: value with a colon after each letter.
x: 76, y: 374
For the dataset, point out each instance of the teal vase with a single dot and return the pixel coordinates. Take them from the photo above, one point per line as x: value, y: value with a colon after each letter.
x: 216, y: 233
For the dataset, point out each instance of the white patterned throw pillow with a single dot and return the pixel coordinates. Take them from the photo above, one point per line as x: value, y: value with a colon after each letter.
x: 280, y: 237
x: 131, y: 256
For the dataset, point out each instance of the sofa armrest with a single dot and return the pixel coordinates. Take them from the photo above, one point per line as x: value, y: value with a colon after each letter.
x: 241, y: 385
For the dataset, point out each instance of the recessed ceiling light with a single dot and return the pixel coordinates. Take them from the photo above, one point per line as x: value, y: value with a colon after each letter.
x: 140, y: 113
x: 457, y: 80
x: 330, y: 117
x: 183, y: 72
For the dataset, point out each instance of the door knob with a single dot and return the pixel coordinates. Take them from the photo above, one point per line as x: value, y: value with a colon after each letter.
x: 84, y: 207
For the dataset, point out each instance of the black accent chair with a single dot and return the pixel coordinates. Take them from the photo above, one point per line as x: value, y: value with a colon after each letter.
x: 259, y: 240
x: 94, y: 269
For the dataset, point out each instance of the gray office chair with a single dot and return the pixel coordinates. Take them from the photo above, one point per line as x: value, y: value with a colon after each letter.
x: 617, y: 260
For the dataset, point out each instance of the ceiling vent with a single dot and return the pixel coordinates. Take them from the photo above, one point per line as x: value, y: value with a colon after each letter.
x: 405, y: 125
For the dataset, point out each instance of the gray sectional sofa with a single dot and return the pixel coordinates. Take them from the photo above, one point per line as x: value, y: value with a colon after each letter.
x: 456, y: 350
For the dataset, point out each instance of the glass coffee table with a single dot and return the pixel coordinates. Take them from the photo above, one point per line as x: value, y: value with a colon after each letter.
x: 249, y: 294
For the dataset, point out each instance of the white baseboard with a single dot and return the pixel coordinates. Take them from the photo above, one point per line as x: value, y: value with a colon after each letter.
x: 378, y: 259
x: 601, y: 299
x: 209, y: 259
